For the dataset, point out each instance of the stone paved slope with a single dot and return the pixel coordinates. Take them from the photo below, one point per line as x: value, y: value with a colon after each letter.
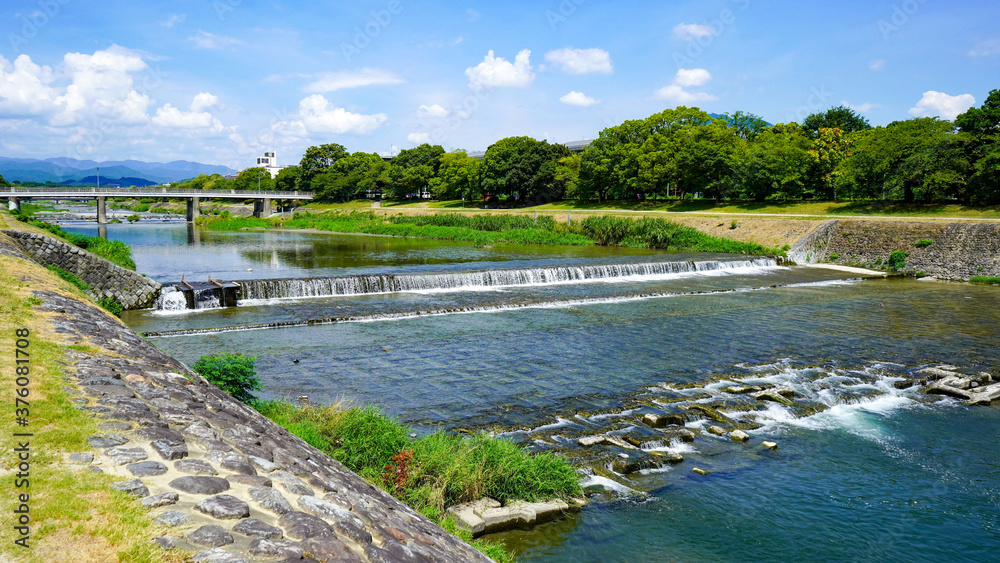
x: 225, y: 480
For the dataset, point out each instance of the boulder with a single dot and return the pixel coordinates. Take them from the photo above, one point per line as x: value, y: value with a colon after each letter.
x: 769, y: 445
x: 200, y: 485
x: 210, y: 535
x: 223, y: 507
x: 663, y: 420
x: 739, y: 435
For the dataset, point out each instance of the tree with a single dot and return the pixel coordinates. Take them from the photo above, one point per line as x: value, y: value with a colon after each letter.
x: 830, y: 147
x: 414, y: 169
x: 746, y: 125
x: 982, y: 126
x: 287, y: 179
x: 522, y: 168
x: 840, y: 117
x: 3, y: 182
x: 776, y: 165
x: 705, y: 158
x: 317, y: 159
x: 458, y: 176
x: 249, y: 178
x: 568, y: 173
x: 233, y: 373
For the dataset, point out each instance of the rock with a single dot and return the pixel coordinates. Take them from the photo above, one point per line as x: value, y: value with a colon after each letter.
x: 162, y: 499
x: 80, y: 458
x: 662, y: 420
x: 210, y: 535
x: 169, y: 449
x: 300, y: 526
x: 699, y: 471
x: 263, y: 464
x: 937, y: 373
x: 328, y: 549
x: 121, y: 456
x: 328, y: 510
x: 264, y: 548
x: 257, y: 529
x: 217, y: 555
x: 710, y: 413
x: 146, y: 468
x: 590, y: 441
x: 115, y: 425
x: 164, y: 542
x: 291, y: 483
x: 773, y: 395
x: 200, y: 485
x: 487, y: 515
x: 742, y: 389
x: 173, y: 518
x: 682, y: 434
x: 270, y: 499
x: 349, y: 530
x: 107, y: 440
x: 132, y: 487
x: 223, y: 507
x: 195, y: 467
x: 249, y: 480
x: 739, y: 435
x: 238, y: 467
x: 769, y: 445
x: 619, y: 442
x: 717, y: 430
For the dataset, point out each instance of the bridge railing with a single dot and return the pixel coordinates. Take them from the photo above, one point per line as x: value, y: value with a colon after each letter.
x: 166, y: 192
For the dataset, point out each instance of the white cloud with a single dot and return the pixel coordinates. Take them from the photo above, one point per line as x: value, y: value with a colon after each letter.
x: 24, y: 88
x: 206, y: 40
x: 333, y: 81
x: 685, y: 78
x: 877, y: 64
x: 173, y: 20
x: 419, y: 138
x: 986, y: 48
x: 102, y: 86
x: 499, y: 72
x: 318, y: 115
x: 472, y: 15
x: 688, y: 77
x: 575, y: 98
x: 942, y: 105
x: 861, y: 108
x: 691, y: 31
x: 203, y: 101
x: 581, y: 61
x: 433, y: 110
x: 169, y: 116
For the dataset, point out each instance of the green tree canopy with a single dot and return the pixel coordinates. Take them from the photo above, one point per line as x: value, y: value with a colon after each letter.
x: 522, y: 167
x: 249, y: 178
x: 840, y: 117
x: 458, y: 176
x: 317, y: 159
x: 287, y: 179
x: 982, y: 125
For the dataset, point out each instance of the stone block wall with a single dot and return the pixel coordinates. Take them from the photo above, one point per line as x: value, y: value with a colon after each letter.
x: 130, y: 289
x: 957, y: 250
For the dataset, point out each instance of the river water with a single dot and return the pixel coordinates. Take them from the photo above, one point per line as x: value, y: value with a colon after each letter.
x: 863, y: 470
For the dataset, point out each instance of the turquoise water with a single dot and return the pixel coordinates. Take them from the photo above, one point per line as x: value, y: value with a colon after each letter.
x: 863, y: 470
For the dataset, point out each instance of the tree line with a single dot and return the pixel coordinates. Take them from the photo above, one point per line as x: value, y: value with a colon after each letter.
x: 678, y: 153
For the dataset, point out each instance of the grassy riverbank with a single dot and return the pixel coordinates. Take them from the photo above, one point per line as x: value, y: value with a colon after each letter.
x: 114, y: 251
x: 484, y: 229
x: 74, y: 514
x: 430, y: 473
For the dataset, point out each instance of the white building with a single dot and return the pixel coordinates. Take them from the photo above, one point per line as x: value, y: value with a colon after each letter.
x: 269, y: 162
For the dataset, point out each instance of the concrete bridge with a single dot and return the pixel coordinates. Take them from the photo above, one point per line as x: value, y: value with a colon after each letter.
x: 261, y: 204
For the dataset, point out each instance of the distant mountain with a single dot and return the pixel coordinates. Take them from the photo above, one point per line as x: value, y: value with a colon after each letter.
x: 73, y: 172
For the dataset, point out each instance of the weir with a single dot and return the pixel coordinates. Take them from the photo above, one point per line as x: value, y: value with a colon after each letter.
x: 204, y: 296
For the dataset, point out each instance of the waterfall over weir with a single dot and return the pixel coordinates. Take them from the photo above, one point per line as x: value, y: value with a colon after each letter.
x: 394, y: 283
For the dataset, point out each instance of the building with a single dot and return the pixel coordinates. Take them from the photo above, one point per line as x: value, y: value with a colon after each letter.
x: 269, y: 162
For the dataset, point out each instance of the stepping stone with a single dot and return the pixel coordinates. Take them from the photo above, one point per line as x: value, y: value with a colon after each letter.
x: 107, y: 440
x: 195, y: 467
x: 173, y: 518
x: 270, y: 499
x: 162, y: 499
x: 146, y: 468
x: 257, y: 529
x: 217, y: 555
x: 210, y: 535
x: 223, y: 507
x: 329, y: 549
x: 199, y: 485
x: 121, y: 456
x: 238, y: 467
x: 133, y: 487
x: 169, y: 449
x: 264, y: 548
x: 301, y: 526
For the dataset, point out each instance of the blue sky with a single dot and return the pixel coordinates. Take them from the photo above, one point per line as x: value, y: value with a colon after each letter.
x: 221, y: 81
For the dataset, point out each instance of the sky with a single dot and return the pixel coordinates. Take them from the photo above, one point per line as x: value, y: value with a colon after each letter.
x: 223, y: 81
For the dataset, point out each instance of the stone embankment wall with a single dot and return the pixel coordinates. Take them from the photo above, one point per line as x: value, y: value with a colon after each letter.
x: 956, y: 252
x: 227, y: 482
x: 130, y: 289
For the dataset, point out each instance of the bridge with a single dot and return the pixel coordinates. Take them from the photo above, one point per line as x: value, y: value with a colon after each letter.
x: 261, y: 204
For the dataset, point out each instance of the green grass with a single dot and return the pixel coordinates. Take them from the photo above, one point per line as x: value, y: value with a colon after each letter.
x: 433, y: 472
x: 70, y: 277
x: 113, y: 251
x: 992, y: 280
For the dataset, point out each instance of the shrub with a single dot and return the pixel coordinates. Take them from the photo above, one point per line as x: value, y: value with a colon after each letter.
x: 132, y: 218
x: 110, y: 305
x: 233, y: 373
x: 834, y: 256
x: 70, y: 277
x: 923, y: 242
x: 992, y: 280
x: 897, y: 260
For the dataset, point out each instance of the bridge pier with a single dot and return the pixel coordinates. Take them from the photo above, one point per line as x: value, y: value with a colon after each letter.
x: 13, y: 204
x: 193, y: 210
x: 102, y: 210
x: 262, y: 208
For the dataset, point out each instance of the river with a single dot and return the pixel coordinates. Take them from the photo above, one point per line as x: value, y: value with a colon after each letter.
x: 862, y: 471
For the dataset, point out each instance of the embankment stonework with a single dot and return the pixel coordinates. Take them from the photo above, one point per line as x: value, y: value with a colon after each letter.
x: 130, y: 289
x: 956, y: 251
x: 225, y: 481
